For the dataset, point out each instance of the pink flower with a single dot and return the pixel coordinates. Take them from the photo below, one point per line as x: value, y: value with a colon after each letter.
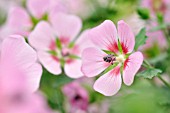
x: 37, y: 9
x: 63, y: 30
x: 156, y: 37
x: 18, y: 57
x: 81, y: 8
x: 95, y: 61
x: 77, y: 96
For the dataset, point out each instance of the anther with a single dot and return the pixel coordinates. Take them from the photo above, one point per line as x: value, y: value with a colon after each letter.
x: 109, y: 58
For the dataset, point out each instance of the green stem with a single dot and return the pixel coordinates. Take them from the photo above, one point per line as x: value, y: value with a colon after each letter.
x: 167, y: 36
x: 147, y: 64
x: 58, y: 95
x: 166, y: 83
x: 150, y: 66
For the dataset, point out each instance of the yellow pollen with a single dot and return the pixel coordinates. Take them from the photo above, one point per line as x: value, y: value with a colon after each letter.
x: 120, y: 58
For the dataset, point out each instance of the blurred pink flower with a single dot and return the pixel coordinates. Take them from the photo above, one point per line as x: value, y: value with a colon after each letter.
x: 19, y: 20
x: 156, y: 37
x: 64, y: 28
x: 81, y: 8
x: 95, y: 61
x: 18, y: 57
x: 13, y: 26
x: 156, y: 6
x: 77, y: 96
x: 38, y: 8
x: 102, y: 107
x: 19, y: 78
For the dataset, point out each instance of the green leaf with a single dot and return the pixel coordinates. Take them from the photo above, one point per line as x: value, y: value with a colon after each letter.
x: 108, y: 52
x: 71, y: 45
x: 109, y: 68
x: 58, y: 43
x: 45, y: 17
x: 149, y: 73
x: 51, y: 86
x: 120, y: 47
x: 52, y: 52
x: 159, y: 27
x: 153, y: 51
x: 140, y: 38
x: 62, y: 62
x: 143, y: 13
x: 160, y: 17
x: 74, y: 56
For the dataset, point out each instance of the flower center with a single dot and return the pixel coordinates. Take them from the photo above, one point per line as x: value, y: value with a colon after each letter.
x: 111, y: 58
x: 65, y: 52
x: 77, y: 97
x: 120, y: 58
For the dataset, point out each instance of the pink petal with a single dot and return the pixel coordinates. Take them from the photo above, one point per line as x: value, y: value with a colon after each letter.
x: 38, y: 8
x: 110, y: 83
x: 66, y: 26
x: 105, y: 36
x: 146, y: 3
x: 14, y: 26
x: 16, y: 51
x: 131, y: 66
x: 57, y: 6
x: 12, y: 80
x: 167, y: 14
x: 42, y: 36
x: 92, y: 62
x: 156, y: 37
x: 49, y: 63
x: 73, y: 69
x: 74, y: 88
x: 83, y: 42
x: 17, y: 56
x: 126, y: 37
x: 33, y: 76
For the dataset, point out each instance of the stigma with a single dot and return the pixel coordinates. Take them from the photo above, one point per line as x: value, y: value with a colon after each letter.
x: 120, y: 58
